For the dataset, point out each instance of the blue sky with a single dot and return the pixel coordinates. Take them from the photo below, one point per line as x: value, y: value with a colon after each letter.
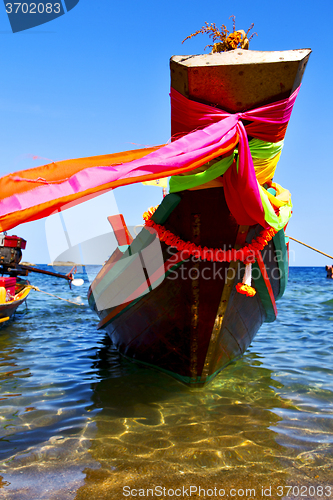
x: 96, y: 81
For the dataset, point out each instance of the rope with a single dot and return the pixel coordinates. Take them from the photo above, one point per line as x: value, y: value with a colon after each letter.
x: 56, y: 296
x: 312, y: 248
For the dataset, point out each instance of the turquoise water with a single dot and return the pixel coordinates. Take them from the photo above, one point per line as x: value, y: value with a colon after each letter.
x: 77, y: 421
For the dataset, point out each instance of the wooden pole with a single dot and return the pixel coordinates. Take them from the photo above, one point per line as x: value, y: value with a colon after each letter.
x: 67, y: 277
x: 312, y: 248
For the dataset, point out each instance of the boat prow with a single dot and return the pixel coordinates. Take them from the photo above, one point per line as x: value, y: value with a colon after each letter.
x: 239, y: 79
x: 8, y: 308
x: 221, y: 230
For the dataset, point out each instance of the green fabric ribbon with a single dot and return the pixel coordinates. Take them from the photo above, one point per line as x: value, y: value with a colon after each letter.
x: 259, y: 149
x: 276, y: 221
x: 265, y: 150
x: 181, y: 182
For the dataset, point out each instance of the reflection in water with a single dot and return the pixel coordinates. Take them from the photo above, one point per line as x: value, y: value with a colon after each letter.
x: 78, y: 421
x: 161, y: 433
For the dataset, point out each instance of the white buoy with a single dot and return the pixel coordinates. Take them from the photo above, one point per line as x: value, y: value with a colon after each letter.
x: 77, y: 282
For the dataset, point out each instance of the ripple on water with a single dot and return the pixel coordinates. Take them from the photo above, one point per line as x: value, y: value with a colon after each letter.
x: 74, y: 413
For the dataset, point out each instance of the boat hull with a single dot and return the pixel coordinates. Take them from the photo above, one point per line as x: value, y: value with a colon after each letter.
x: 194, y: 322
x: 8, y: 309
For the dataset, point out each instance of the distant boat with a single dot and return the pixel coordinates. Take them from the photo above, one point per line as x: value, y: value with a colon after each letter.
x: 329, y: 271
x: 13, y: 289
x: 195, y: 313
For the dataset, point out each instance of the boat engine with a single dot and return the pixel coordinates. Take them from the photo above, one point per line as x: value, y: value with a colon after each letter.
x: 10, y: 257
x: 10, y: 249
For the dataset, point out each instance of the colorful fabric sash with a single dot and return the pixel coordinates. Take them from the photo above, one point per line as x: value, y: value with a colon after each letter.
x: 265, y: 156
x: 32, y: 194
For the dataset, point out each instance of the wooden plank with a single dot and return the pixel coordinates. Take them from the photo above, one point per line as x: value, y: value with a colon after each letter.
x: 195, y: 292
x: 240, y: 79
x: 228, y: 286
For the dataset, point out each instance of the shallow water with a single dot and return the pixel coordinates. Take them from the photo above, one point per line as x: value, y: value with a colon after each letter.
x: 77, y: 421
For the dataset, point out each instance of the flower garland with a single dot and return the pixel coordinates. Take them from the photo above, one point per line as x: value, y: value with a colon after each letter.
x: 247, y: 254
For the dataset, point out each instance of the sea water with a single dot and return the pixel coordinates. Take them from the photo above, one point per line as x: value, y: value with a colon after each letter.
x: 77, y: 421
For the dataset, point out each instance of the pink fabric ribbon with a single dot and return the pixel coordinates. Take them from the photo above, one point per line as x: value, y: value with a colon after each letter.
x: 188, y: 115
x: 208, y: 129
x: 240, y: 184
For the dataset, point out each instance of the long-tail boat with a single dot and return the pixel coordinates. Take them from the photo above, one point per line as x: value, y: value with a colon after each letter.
x: 189, y: 292
x: 9, y: 305
x: 205, y: 313
x: 14, y: 290
x: 329, y: 271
